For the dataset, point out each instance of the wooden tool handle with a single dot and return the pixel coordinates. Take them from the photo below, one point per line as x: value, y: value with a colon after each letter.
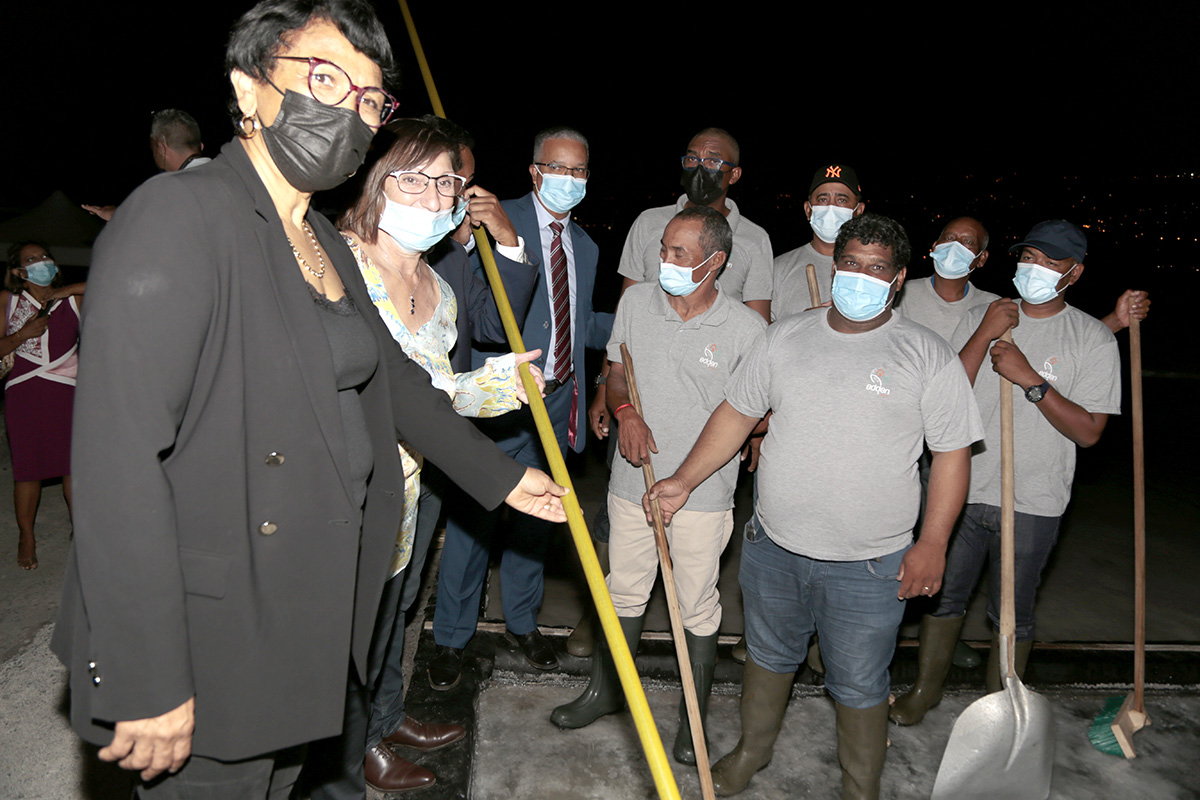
x: 1139, y: 517
x: 691, y: 700
x: 1008, y: 505
x: 814, y: 291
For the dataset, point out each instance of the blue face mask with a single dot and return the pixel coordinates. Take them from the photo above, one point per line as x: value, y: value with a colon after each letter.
x: 41, y: 273
x: 677, y: 280
x: 860, y: 297
x: 1037, y: 284
x: 460, y: 212
x: 826, y: 221
x: 414, y: 228
x: 561, y: 193
x: 952, y: 260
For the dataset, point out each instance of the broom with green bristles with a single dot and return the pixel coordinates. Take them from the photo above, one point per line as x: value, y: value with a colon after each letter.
x: 1113, y: 729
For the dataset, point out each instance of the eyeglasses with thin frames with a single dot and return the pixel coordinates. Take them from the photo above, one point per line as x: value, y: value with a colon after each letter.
x: 330, y: 85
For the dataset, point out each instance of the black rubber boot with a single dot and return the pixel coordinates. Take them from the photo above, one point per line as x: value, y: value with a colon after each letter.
x: 764, y: 700
x: 702, y: 650
x: 862, y: 748
x: 603, y: 694
x: 938, y: 637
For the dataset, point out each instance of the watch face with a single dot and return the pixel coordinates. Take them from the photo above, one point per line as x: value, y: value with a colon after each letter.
x: 1035, y: 393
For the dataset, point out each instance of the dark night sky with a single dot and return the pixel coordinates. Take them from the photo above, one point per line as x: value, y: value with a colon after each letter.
x: 1038, y: 111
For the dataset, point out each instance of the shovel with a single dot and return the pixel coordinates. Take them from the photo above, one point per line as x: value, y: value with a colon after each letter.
x: 1002, y: 746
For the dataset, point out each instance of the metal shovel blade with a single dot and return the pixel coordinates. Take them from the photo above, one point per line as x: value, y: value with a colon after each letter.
x: 1002, y: 747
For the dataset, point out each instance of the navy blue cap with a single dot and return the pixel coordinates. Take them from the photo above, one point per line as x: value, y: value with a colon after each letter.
x: 1057, y: 238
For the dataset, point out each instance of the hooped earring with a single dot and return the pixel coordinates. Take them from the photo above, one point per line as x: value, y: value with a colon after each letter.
x: 248, y: 127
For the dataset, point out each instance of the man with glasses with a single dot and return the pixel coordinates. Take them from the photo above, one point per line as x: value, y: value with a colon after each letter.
x: 854, y: 391
x: 711, y: 164
x: 686, y: 337
x: 561, y: 323
x: 834, y: 198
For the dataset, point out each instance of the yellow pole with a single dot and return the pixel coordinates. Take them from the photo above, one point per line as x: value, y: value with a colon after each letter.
x: 660, y: 768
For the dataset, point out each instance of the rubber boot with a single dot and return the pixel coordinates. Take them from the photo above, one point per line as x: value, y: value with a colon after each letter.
x: 862, y: 747
x: 965, y: 656
x: 703, y: 652
x: 738, y: 653
x: 582, y: 641
x: 764, y: 700
x: 603, y: 694
x: 1020, y: 659
x: 937, y: 640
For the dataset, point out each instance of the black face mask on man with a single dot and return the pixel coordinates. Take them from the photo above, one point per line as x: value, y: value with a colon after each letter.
x: 316, y: 146
x: 702, y: 185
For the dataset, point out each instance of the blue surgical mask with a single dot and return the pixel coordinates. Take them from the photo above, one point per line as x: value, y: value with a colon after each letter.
x: 860, y: 297
x: 677, y: 280
x: 1037, y: 284
x: 41, y: 273
x: 414, y: 228
x: 828, y: 220
x: 561, y: 193
x: 952, y: 260
x: 460, y: 211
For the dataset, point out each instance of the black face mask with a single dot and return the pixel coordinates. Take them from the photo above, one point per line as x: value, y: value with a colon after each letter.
x: 316, y: 146
x: 701, y: 185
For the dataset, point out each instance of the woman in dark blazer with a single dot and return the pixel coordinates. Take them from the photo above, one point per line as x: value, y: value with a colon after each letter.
x: 237, y: 483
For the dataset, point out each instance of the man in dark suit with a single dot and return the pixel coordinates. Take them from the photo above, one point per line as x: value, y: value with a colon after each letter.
x: 562, y: 323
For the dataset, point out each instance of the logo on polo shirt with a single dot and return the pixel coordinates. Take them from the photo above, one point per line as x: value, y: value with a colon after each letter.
x: 878, y: 379
x: 1048, y: 371
x: 709, y: 359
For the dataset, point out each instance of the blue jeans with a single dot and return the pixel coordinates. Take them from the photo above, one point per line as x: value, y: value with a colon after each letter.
x: 853, y: 604
x: 978, y: 540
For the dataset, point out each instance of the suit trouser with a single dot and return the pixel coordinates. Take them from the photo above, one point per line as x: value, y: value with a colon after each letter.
x: 469, y: 529
x: 266, y: 777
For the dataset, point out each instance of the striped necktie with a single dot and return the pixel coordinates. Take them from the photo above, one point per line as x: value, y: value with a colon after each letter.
x: 560, y: 305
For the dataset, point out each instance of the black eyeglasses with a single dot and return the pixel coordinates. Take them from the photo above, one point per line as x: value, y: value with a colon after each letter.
x: 711, y: 163
x: 329, y: 84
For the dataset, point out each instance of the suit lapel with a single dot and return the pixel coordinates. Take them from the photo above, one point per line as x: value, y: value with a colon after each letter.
x: 301, y: 320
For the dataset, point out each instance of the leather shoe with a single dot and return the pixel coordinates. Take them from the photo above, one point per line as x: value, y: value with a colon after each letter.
x: 446, y: 668
x: 425, y: 735
x: 387, y: 772
x: 535, y: 647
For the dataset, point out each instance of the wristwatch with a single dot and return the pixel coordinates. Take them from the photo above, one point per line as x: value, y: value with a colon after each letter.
x: 601, y: 380
x: 1034, y: 394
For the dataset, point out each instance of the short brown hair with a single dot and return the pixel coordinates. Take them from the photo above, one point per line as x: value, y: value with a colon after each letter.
x: 416, y: 142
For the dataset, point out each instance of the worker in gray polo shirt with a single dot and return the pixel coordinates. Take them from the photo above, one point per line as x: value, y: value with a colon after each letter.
x: 834, y: 198
x: 854, y: 390
x: 686, y: 336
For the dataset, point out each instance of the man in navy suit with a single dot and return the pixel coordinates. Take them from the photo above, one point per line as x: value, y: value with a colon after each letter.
x: 562, y: 323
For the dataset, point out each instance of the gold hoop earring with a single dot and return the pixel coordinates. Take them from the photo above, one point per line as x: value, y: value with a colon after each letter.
x: 248, y: 127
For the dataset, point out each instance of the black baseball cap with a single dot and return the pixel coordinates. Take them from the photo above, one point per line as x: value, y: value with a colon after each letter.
x: 1056, y: 238
x: 836, y: 173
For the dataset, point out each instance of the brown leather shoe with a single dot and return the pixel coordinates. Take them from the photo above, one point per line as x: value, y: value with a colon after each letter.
x: 387, y: 772
x: 425, y: 735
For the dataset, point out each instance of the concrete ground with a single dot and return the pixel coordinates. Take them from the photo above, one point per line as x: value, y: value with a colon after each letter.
x: 1084, y: 626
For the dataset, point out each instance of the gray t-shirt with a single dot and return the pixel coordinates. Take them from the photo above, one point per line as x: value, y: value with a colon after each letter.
x: 681, y: 370
x: 747, y: 274
x: 837, y: 477
x: 791, y: 281
x: 921, y: 303
x: 1077, y: 355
